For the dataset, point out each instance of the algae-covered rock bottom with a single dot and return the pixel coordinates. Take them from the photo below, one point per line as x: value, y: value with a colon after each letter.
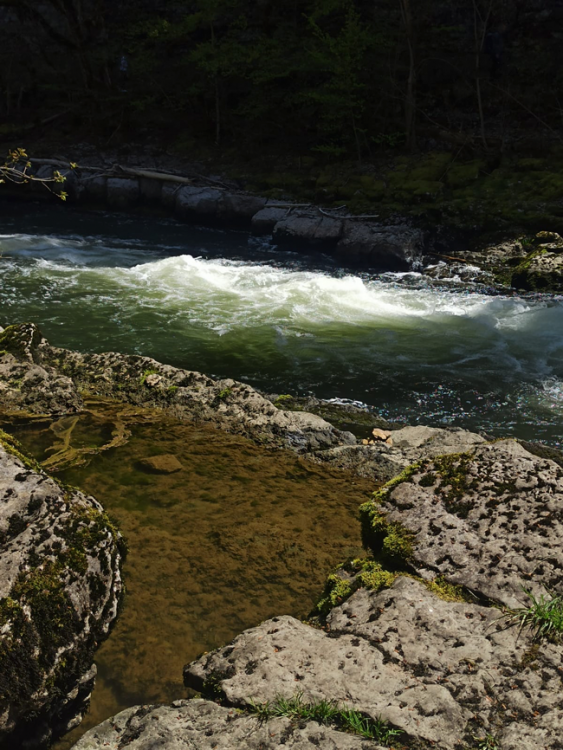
x: 414, y: 644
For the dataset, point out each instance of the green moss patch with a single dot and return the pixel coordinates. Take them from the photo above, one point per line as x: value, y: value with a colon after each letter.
x: 363, y: 573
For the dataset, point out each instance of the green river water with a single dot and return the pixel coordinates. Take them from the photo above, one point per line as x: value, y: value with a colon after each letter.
x: 236, y: 537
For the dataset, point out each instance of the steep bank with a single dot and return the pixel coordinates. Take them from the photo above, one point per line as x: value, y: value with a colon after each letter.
x: 60, y: 587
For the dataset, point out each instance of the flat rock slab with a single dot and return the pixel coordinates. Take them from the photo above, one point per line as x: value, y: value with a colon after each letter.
x: 165, y: 464
x: 443, y: 672
x: 381, y: 462
x: 203, y: 725
x: 60, y: 585
x: 490, y: 520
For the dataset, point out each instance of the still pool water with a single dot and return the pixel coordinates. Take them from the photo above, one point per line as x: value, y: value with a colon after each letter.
x: 238, y: 535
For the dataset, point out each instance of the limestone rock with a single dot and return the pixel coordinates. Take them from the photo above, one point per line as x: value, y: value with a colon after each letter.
x: 309, y: 228
x: 240, y: 207
x: 203, y: 725
x: 382, y: 461
x: 541, y: 271
x: 60, y: 585
x: 490, y: 520
x: 227, y: 404
x: 443, y: 672
x: 264, y: 221
x: 390, y: 248
x: 26, y: 385
x: 122, y: 192
x: 164, y: 464
x: 92, y: 188
x: 197, y: 203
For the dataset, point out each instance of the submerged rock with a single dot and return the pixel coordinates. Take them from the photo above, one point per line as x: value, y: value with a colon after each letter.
x: 60, y: 585
x: 165, y: 464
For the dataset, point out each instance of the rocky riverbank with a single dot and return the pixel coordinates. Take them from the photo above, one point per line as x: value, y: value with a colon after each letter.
x: 414, y: 646
x: 524, y: 260
x: 60, y: 587
x: 421, y: 642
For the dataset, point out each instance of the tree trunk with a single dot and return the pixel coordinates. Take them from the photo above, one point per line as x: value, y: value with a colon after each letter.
x: 410, y: 95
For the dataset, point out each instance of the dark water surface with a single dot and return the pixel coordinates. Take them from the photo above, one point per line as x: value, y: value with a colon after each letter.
x: 237, y: 536
x: 229, y: 305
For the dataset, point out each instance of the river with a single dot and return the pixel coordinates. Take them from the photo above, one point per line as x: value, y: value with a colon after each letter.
x: 233, y: 306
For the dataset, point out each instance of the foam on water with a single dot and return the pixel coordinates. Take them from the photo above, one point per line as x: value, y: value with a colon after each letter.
x: 286, y: 325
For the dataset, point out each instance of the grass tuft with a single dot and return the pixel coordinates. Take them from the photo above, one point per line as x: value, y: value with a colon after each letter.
x: 328, y: 713
x: 544, y: 616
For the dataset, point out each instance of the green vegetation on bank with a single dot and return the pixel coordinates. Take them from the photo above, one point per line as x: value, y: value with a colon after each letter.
x: 302, y: 99
x: 329, y: 713
x: 543, y: 617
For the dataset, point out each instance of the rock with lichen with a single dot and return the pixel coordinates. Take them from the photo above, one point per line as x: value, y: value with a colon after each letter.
x: 445, y: 673
x: 27, y: 385
x: 490, y: 519
x: 60, y: 585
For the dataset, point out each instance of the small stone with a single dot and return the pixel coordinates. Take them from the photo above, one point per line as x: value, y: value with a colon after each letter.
x: 166, y: 464
x: 365, y: 441
x: 380, y: 434
x: 389, y: 441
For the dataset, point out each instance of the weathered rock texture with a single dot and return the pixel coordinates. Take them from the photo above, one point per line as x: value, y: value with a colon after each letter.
x: 227, y: 404
x: 60, y: 586
x: 443, y: 672
x: 26, y: 385
x: 490, y: 520
x: 381, y: 462
x: 203, y: 725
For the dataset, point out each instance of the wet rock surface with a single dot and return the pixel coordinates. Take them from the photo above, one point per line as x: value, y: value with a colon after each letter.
x: 57, y: 376
x: 60, y: 585
x: 203, y: 725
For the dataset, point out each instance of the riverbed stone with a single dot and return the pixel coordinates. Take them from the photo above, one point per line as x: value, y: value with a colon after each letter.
x: 203, y: 725
x: 264, y: 221
x: 163, y: 464
x: 442, y: 671
x: 60, y: 585
x: 122, y: 192
x: 197, y: 203
x: 490, y: 519
x: 390, y: 248
x: 240, y: 207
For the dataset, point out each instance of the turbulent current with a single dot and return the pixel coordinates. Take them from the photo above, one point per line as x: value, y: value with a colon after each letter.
x: 227, y: 305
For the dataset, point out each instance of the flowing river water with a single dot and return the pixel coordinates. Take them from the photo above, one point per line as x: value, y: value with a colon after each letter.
x: 231, y: 306
x: 236, y: 537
